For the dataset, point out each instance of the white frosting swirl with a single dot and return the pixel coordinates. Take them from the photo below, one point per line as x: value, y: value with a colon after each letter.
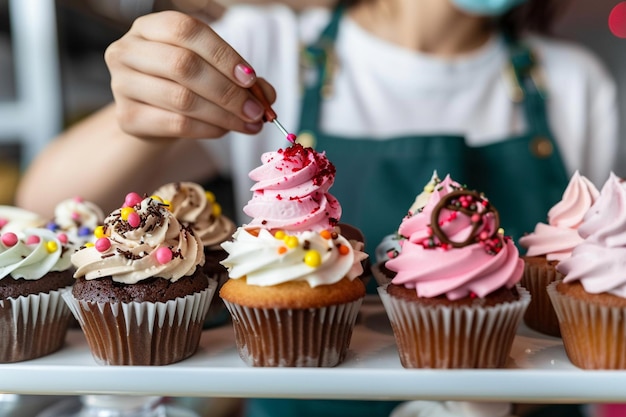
x: 133, y: 254
x: 32, y: 261
x: 15, y: 219
x: 266, y: 260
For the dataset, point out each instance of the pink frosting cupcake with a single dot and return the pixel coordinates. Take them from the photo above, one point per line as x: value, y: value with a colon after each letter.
x: 548, y: 245
x: 590, y: 302
x: 454, y: 302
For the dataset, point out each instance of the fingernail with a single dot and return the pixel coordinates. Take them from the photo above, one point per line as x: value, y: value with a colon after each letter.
x: 245, y: 75
x: 252, y: 110
x: 253, y: 127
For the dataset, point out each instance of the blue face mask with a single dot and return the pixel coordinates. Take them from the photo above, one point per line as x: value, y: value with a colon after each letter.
x: 486, y: 7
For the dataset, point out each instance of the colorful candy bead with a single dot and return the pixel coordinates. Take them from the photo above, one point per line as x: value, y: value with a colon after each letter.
x: 313, y: 258
x: 291, y: 241
x: 9, y: 239
x: 325, y: 234
x: 99, y: 232
x: 52, y: 226
x: 62, y: 238
x: 343, y: 250
x: 3, y: 222
x: 125, y: 212
x: 103, y: 244
x: 217, y: 210
x: 32, y: 240
x: 51, y: 246
x: 84, y: 231
x: 132, y: 199
x: 280, y: 235
x: 209, y: 196
x: 133, y: 219
x: 163, y: 255
x: 282, y: 250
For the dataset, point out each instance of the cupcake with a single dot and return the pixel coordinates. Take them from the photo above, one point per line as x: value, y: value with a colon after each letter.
x: 590, y: 301
x: 454, y: 301
x: 548, y: 245
x: 197, y: 208
x: 78, y: 219
x: 15, y: 219
x: 34, y: 269
x: 390, y: 246
x: 293, y: 290
x: 141, y: 294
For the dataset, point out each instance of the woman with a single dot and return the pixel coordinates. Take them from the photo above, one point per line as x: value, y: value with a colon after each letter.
x: 392, y: 90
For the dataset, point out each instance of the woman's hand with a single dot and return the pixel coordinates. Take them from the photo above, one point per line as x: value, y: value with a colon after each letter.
x: 174, y: 77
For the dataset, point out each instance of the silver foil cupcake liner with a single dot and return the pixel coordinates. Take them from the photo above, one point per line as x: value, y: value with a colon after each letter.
x: 445, y: 337
x: 142, y: 333
x: 314, y: 337
x: 32, y: 326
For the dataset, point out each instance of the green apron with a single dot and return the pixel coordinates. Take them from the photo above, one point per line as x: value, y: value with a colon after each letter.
x: 377, y: 181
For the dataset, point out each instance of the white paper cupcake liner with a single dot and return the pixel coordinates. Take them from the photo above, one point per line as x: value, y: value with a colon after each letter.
x: 594, y: 335
x: 142, y: 333
x: 32, y: 326
x: 315, y: 337
x: 443, y: 337
x: 540, y: 315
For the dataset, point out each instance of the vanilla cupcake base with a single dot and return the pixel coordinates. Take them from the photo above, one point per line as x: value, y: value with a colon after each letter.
x: 312, y: 337
x: 594, y: 335
x: 540, y: 315
x: 32, y: 326
x: 143, y: 333
x: 453, y: 337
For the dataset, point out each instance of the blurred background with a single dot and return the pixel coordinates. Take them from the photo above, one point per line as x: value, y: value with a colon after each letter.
x: 52, y: 71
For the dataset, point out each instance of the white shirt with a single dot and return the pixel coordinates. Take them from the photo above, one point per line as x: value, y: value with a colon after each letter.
x: 382, y: 90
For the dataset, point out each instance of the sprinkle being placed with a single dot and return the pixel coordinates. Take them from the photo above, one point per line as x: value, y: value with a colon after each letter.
x: 291, y: 241
x: 32, y: 240
x: 325, y: 234
x: 51, y: 246
x: 291, y: 138
x: 343, y: 250
x: 62, y: 238
x: 163, y: 255
x: 9, y: 239
x: 282, y: 250
x: 280, y: 235
x: 217, y: 210
x: 209, y: 196
x: 3, y: 222
x: 99, y: 232
x: 84, y: 231
x: 132, y: 199
x: 126, y: 212
x: 103, y: 244
x: 313, y: 258
x: 133, y: 219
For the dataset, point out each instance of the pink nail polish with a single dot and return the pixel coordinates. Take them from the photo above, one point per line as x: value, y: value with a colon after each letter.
x: 245, y: 75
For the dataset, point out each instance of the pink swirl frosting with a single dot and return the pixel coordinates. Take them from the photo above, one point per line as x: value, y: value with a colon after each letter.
x: 559, y: 237
x: 598, y: 262
x: 485, y: 262
x: 291, y: 191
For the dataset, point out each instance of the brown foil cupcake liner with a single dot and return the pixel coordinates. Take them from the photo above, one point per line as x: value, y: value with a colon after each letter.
x: 315, y: 337
x: 32, y: 326
x: 217, y: 314
x: 142, y: 333
x: 380, y: 277
x: 594, y: 335
x: 540, y: 315
x: 444, y: 337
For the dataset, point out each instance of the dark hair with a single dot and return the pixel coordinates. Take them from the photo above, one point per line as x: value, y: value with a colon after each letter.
x: 532, y: 15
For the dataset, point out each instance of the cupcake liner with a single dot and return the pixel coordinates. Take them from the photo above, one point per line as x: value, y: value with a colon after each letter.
x: 32, y: 326
x: 593, y: 335
x: 314, y: 337
x: 217, y: 314
x: 443, y: 337
x: 142, y: 333
x: 540, y: 315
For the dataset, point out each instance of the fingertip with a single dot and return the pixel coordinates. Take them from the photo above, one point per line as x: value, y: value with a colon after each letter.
x: 245, y: 75
x: 253, y: 127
